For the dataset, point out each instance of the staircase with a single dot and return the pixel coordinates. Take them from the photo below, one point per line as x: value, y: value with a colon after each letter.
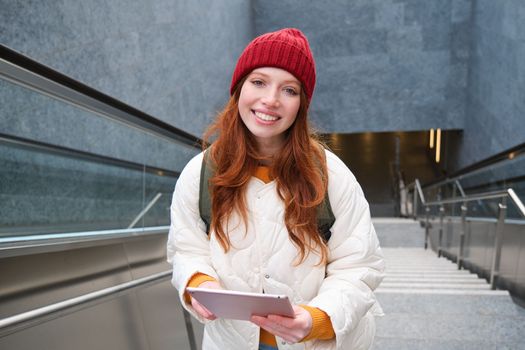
x: 430, y: 304
x: 411, y: 270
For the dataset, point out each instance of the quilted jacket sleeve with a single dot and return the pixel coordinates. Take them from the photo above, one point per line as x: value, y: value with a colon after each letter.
x: 355, y: 264
x: 188, y: 246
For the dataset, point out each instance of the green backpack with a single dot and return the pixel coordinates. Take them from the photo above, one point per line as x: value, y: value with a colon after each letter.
x: 325, y: 216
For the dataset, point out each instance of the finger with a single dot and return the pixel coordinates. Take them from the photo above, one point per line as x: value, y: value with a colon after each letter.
x: 201, y: 310
x: 291, y: 329
x: 272, y: 327
x: 258, y: 320
x: 262, y: 322
x: 278, y: 332
x: 284, y: 321
x: 207, y: 315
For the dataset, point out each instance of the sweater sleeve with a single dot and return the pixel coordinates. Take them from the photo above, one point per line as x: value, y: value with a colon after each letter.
x: 321, y: 325
x: 196, y: 281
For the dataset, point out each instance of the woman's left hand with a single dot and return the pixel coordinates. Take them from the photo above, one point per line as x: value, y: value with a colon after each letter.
x: 290, y: 329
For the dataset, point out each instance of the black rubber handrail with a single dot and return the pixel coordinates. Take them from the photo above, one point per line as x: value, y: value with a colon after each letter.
x: 511, y: 153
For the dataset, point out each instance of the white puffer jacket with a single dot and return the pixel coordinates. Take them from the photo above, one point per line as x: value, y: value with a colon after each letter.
x: 263, y: 259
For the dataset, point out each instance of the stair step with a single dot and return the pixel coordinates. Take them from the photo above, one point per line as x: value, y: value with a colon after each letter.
x: 467, y: 280
x: 381, y: 290
x: 391, y: 264
x: 431, y: 275
x: 434, y: 285
x: 419, y: 268
x: 429, y: 272
x: 489, y: 303
x: 430, y: 304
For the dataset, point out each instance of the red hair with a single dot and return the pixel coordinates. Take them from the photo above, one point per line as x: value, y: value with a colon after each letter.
x: 299, y: 170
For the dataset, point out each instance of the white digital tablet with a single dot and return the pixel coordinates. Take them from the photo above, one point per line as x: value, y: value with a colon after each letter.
x: 241, y: 305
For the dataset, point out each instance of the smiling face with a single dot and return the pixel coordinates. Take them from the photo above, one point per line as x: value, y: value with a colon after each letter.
x: 268, y: 105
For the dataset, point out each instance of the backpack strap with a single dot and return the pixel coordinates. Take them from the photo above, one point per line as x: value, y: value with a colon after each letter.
x: 325, y: 219
x: 325, y: 216
x: 207, y: 170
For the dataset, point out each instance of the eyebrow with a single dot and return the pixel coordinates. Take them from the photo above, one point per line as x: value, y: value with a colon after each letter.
x: 284, y: 82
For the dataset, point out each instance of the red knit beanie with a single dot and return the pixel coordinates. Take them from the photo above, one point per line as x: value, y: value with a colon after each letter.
x: 287, y: 49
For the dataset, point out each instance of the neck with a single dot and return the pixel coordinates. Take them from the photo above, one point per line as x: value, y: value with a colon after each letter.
x: 268, y: 148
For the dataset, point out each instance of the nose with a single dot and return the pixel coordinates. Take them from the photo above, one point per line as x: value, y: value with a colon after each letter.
x: 271, y: 98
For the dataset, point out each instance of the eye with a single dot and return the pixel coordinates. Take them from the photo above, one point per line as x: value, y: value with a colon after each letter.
x: 290, y: 91
x: 257, y: 82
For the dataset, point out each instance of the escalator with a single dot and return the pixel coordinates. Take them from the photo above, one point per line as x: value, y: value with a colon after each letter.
x: 84, y: 219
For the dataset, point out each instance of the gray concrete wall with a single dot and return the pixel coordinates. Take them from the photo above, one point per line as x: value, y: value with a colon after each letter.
x: 171, y: 59
x: 383, y: 65
x: 496, y: 95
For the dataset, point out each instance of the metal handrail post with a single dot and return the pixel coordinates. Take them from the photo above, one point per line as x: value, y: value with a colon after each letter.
x: 427, y: 225
x: 414, y: 204
x: 519, y: 204
x: 453, y: 197
x: 145, y: 210
x: 460, y: 188
x: 440, y: 242
x: 498, y: 240
x: 462, y: 235
x: 420, y: 191
x: 407, y: 190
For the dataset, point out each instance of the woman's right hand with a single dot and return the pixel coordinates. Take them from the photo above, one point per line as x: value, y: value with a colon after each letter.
x: 201, y: 310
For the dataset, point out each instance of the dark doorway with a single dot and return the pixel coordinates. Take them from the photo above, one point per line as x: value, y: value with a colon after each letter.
x: 376, y: 159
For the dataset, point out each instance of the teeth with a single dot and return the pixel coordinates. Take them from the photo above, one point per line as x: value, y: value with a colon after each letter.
x: 266, y: 117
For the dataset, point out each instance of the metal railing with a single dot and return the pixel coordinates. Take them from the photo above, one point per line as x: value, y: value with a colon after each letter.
x: 418, y: 196
x: 417, y: 193
x: 460, y: 182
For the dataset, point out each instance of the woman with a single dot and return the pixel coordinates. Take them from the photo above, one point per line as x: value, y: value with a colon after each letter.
x: 271, y: 174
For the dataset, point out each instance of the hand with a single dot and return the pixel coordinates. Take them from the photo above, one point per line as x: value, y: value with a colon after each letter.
x: 201, y: 310
x: 290, y: 329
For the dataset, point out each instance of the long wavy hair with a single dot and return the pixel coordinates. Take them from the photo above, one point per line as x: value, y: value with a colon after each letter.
x: 299, y: 170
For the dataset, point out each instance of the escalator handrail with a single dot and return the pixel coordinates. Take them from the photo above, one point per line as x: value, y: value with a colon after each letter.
x: 506, y: 155
x: 22, y: 70
x: 43, y: 243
